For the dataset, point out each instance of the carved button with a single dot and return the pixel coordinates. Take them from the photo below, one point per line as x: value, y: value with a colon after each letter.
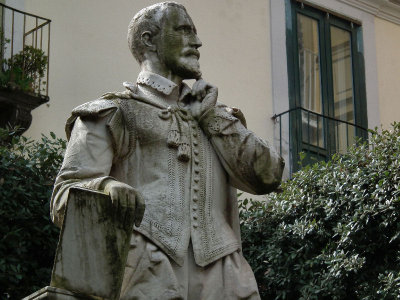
x: 196, y: 189
x: 197, y: 171
x: 195, y: 142
x: 196, y: 179
x: 195, y: 199
x: 194, y: 207
x: 195, y: 225
x: 196, y: 152
x: 194, y: 217
x: 196, y: 161
x: 195, y: 134
x: 164, y: 114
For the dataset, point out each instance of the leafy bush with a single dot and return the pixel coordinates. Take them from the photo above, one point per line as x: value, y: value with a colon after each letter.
x: 28, y: 239
x: 334, y: 230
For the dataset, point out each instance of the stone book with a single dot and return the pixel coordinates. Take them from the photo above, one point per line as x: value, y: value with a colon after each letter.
x: 93, y: 246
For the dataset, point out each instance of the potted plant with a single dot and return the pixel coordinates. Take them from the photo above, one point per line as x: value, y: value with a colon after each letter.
x: 25, y: 70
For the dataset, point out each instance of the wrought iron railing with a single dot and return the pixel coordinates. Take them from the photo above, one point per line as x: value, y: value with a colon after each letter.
x: 25, y: 36
x: 318, y: 136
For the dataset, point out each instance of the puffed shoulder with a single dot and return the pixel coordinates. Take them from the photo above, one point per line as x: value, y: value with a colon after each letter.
x: 220, y: 118
x: 108, y: 101
x: 111, y: 109
x: 93, y: 109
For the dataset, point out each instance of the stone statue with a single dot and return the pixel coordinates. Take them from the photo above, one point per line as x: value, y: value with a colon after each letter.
x: 176, y: 156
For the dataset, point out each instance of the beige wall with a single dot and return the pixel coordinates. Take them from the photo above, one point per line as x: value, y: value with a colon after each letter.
x: 89, y: 55
x: 388, y: 61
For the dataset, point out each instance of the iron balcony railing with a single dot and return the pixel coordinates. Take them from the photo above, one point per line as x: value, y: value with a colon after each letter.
x: 318, y: 136
x: 25, y: 39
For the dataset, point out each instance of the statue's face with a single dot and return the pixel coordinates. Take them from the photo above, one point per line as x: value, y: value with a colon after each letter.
x: 177, y: 44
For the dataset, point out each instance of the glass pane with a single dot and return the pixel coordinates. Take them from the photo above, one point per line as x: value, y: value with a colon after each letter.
x: 312, y: 128
x: 310, y: 79
x: 342, y: 87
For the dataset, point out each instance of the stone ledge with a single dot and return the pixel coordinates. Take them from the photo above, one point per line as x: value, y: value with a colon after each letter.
x: 385, y: 9
x: 52, y: 293
x: 16, y: 107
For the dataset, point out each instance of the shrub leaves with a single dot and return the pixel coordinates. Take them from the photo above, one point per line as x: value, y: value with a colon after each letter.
x: 27, y: 238
x: 334, y: 231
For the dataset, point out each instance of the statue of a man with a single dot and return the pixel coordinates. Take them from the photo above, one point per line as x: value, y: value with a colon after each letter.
x: 178, y: 156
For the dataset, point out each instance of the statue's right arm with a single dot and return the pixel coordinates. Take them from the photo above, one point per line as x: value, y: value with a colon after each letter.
x: 87, y: 163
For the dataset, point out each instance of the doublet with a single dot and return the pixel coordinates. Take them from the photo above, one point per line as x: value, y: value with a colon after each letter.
x: 186, y: 169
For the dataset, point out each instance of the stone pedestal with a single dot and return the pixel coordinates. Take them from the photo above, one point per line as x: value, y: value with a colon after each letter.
x: 52, y: 293
x: 93, y: 247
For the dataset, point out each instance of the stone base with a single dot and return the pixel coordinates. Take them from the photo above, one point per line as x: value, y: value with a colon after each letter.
x: 52, y: 293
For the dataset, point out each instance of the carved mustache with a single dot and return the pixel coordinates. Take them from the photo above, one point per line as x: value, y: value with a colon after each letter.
x: 192, y: 51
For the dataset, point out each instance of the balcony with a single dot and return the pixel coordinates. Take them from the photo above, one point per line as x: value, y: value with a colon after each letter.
x: 24, y: 77
x: 316, y: 135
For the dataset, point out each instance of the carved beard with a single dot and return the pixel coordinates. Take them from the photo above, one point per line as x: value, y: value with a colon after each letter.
x: 185, y: 64
x: 186, y: 67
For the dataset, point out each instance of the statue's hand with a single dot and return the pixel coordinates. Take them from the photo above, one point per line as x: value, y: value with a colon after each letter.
x: 205, y: 95
x: 124, y: 196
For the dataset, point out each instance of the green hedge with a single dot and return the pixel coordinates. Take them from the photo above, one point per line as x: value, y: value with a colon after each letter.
x: 28, y: 239
x: 333, y: 233
x: 334, y: 230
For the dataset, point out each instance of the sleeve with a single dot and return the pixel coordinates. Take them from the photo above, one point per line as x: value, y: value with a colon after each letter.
x: 89, y: 156
x: 252, y: 165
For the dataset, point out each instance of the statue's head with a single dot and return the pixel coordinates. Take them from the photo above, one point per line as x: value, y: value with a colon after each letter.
x: 164, y: 35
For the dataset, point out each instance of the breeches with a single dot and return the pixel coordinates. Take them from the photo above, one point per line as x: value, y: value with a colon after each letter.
x: 152, y: 275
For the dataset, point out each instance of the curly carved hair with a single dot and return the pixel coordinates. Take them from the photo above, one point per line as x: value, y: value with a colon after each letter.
x: 147, y: 19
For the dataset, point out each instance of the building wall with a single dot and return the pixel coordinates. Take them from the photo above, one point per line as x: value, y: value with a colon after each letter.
x: 388, y: 58
x: 18, y: 21
x: 243, y: 53
x: 89, y: 55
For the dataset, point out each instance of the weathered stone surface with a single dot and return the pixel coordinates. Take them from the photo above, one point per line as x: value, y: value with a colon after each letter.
x: 93, y: 246
x: 52, y: 293
x: 174, y: 153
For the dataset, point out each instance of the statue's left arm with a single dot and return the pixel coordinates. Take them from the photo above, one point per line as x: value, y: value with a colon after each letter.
x: 97, y: 138
x: 252, y: 165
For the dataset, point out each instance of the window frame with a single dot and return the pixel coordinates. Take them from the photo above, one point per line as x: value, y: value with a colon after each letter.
x: 325, y: 20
